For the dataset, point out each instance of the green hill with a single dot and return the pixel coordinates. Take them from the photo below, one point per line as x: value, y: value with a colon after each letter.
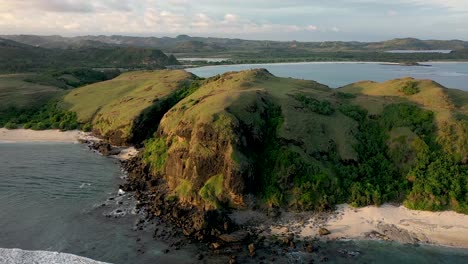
x: 17, y: 58
x: 302, y: 145
x: 450, y: 106
x: 119, y: 108
x: 19, y: 99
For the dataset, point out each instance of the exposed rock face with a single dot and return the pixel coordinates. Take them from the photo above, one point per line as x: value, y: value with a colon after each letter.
x: 18, y: 256
x: 153, y: 193
x: 212, y: 140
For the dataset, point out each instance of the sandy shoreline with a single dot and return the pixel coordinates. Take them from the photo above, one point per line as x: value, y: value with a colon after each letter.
x: 57, y: 136
x: 28, y: 135
x: 388, y: 222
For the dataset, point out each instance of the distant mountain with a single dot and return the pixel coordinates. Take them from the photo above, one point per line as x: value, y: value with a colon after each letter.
x: 188, y: 44
x: 20, y: 57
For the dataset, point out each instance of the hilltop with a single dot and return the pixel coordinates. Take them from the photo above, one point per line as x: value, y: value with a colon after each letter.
x: 120, y: 109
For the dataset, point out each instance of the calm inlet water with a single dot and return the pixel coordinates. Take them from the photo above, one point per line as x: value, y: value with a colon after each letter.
x: 451, y: 75
x: 51, y: 198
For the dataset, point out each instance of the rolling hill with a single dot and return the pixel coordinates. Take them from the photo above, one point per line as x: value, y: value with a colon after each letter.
x: 186, y: 44
x: 17, y: 57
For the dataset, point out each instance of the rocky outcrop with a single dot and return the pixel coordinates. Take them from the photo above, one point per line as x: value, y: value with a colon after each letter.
x: 152, y: 193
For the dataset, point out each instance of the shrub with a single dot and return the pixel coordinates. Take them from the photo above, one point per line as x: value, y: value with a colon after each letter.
x: 342, y: 95
x: 319, y: 107
x: 87, y: 127
x: 212, y: 189
x: 11, y: 125
x: 410, y: 88
x: 353, y: 111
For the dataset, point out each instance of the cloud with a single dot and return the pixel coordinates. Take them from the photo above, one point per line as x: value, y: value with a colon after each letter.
x: 275, y: 19
x: 68, y: 6
x: 72, y: 26
x: 231, y: 18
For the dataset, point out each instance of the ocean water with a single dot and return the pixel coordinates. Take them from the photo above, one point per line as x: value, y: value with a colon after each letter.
x: 51, y: 198
x: 333, y: 74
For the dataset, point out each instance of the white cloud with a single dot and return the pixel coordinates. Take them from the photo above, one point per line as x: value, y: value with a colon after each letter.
x: 72, y: 26
x: 252, y: 18
x: 231, y: 18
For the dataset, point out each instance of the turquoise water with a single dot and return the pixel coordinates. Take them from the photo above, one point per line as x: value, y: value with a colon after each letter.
x: 51, y: 198
x: 451, y: 75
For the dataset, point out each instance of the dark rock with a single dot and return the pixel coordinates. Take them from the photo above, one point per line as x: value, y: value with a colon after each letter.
x: 323, y: 231
x: 252, y: 249
x: 232, y: 260
x: 309, y: 248
x: 292, y: 245
x: 215, y: 245
x: 234, y: 237
x: 199, y: 256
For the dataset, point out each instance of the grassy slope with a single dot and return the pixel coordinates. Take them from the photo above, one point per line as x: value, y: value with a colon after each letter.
x: 14, y: 91
x: 449, y: 105
x: 115, y: 104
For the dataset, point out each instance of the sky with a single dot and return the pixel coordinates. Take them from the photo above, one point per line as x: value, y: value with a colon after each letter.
x: 302, y: 20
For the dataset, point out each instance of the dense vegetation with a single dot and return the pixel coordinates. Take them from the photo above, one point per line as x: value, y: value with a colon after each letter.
x: 49, y: 116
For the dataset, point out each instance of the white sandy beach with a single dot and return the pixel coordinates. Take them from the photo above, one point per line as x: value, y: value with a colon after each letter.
x: 57, y: 136
x: 388, y: 222
x: 28, y: 135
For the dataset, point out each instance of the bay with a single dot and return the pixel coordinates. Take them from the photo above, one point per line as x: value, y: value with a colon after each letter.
x: 338, y: 74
